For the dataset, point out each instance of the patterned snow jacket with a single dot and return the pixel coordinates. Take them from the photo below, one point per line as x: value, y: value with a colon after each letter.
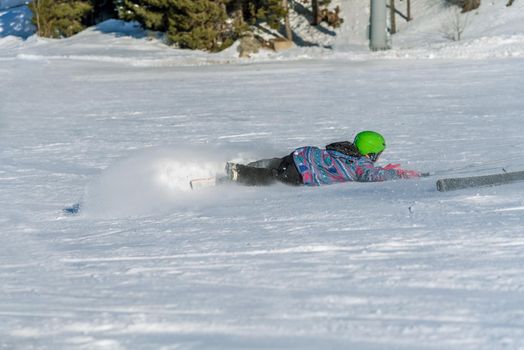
x: 339, y: 162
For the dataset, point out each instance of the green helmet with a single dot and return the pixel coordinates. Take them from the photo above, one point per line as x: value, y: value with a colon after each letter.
x: 370, y: 143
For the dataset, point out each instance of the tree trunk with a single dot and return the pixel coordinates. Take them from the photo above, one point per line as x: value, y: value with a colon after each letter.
x: 289, y: 32
x: 37, y: 15
x: 238, y: 13
x: 316, y: 13
x: 42, y: 23
x: 392, y: 16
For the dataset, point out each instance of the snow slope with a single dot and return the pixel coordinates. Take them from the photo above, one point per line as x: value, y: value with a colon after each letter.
x: 493, y: 30
x: 368, y: 266
x: 120, y: 122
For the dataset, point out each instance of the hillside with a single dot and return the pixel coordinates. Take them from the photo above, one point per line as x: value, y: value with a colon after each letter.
x: 494, y: 30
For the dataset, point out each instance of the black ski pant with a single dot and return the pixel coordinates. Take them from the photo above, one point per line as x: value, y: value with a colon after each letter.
x: 269, y: 171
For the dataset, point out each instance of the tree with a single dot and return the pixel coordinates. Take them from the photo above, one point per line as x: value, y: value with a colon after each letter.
x: 236, y: 11
x: 192, y: 24
x: 59, y: 18
x: 103, y: 10
x: 315, y: 8
x: 287, y: 22
x: 152, y: 14
x: 269, y: 11
x: 456, y: 24
x: 198, y: 24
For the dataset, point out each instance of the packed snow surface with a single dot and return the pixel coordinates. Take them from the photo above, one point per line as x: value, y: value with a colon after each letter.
x: 120, y: 123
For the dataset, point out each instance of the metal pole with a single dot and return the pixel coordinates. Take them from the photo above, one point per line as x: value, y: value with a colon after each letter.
x: 378, y: 26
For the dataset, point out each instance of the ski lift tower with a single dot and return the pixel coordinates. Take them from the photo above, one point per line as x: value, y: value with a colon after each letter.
x: 378, y: 33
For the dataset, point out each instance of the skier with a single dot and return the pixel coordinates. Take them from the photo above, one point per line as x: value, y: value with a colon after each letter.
x: 311, y: 166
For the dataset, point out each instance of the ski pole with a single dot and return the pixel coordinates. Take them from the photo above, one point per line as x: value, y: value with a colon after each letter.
x: 455, y: 171
x: 466, y: 168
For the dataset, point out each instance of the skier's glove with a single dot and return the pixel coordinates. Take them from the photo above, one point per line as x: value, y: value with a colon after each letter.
x: 402, y: 173
x: 407, y: 174
x: 392, y: 166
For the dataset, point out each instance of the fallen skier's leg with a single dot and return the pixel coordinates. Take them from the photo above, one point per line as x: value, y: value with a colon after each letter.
x: 249, y: 176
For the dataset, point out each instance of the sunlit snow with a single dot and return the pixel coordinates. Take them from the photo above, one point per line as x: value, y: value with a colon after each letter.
x: 119, y: 122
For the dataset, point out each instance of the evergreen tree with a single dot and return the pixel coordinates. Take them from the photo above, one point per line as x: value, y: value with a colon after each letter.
x: 213, y: 25
x: 193, y: 24
x: 103, y: 10
x: 198, y: 24
x: 152, y: 14
x: 269, y: 11
x: 59, y: 18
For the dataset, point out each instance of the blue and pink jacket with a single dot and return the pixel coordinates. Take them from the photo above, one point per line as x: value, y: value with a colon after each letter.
x: 323, y: 167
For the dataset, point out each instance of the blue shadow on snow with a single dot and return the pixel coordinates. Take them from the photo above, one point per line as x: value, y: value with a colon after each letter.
x: 16, y: 22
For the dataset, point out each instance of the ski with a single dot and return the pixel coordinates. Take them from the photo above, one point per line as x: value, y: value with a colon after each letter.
x: 452, y: 184
x: 203, y: 182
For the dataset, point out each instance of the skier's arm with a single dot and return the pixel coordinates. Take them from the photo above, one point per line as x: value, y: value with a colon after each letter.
x: 367, y: 172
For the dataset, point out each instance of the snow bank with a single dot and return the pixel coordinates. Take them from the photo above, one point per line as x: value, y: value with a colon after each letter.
x: 493, y: 31
x: 354, y: 30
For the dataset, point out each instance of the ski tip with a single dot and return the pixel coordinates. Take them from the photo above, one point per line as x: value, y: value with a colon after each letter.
x: 202, y: 182
x: 441, y: 186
